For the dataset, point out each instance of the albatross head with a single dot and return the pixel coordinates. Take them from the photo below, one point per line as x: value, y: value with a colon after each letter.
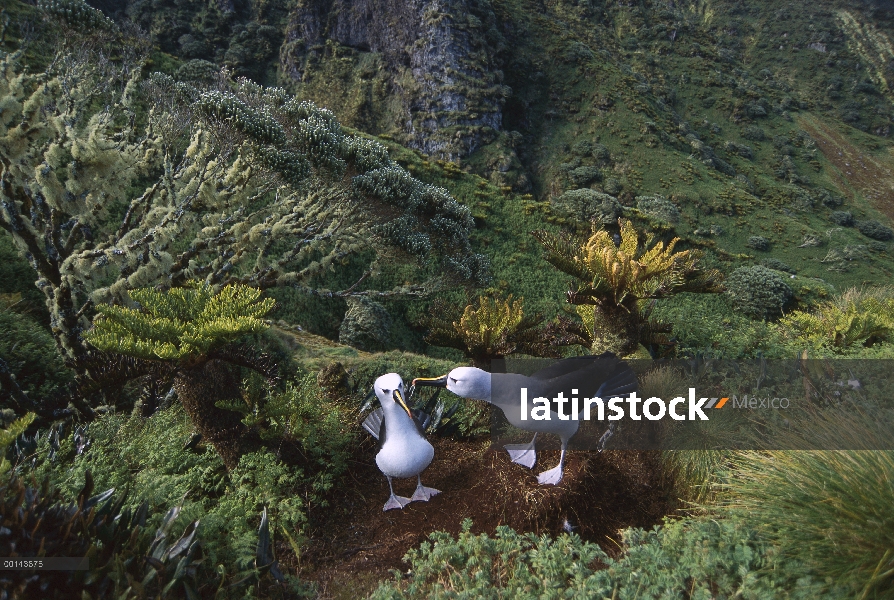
x: 390, y: 391
x: 466, y: 382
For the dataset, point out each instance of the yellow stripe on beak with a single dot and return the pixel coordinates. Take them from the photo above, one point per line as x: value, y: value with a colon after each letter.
x: 431, y: 381
x: 398, y: 397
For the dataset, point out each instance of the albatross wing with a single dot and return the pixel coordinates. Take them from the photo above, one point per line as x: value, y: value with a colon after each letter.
x: 374, y: 422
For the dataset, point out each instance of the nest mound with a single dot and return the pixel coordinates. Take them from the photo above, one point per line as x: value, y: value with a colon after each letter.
x: 600, y: 494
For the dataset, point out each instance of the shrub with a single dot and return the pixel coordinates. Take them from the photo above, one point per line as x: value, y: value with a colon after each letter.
x: 758, y: 242
x: 777, y: 265
x: 703, y: 324
x: 582, y: 148
x: 757, y: 291
x: 586, y: 206
x: 8, y: 435
x: 658, y: 207
x: 183, y: 337
x: 861, y: 317
x: 31, y: 357
x: 600, y: 152
x: 612, y: 186
x: 39, y: 521
x: 494, y: 328
x: 159, y: 460
x: 198, y: 70
x: 367, y: 325
x: 875, y: 230
x: 687, y: 558
x: 614, y: 276
x: 585, y: 175
x: 742, y: 150
x: 754, y: 133
x: 76, y: 14
x: 844, y: 218
x: 829, y: 199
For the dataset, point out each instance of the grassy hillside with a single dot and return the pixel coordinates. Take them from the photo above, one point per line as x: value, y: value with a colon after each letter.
x: 763, y: 120
x: 756, y: 132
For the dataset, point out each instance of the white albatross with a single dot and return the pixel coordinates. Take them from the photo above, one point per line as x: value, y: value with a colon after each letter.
x: 403, y: 449
x: 603, y: 376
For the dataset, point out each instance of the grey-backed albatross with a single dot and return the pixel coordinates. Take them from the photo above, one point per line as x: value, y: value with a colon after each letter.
x: 604, y: 376
x: 403, y: 449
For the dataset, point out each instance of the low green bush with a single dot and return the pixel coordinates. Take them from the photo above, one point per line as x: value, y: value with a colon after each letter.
x: 777, y: 265
x: 758, y: 291
x: 858, y: 317
x: 844, y: 218
x: 712, y: 325
x: 658, y: 207
x: 875, y: 230
x: 158, y: 460
x: 758, y: 242
x: 585, y: 205
x: 698, y: 558
x: 31, y: 356
x: 367, y: 325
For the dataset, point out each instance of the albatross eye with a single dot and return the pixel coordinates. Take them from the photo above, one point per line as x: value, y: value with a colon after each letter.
x: 387, y: 391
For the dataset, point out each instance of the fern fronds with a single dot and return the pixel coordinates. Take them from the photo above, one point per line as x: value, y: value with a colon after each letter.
x: 181, y: 323
x: 9, y: 435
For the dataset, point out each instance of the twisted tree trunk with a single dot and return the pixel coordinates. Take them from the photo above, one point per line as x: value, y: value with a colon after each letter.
x: 199, y: 388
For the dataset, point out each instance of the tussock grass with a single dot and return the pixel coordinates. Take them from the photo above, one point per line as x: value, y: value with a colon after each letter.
x: 698, y: 468
x: 832, y: 511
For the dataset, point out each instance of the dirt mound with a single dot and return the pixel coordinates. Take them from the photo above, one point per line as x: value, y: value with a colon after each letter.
x: 355, y: 543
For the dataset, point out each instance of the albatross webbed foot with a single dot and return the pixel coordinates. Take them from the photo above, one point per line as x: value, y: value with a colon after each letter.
x: 396, y: 502
x: 551, y: 477
x: 424, y: 494
x: 523, y: 454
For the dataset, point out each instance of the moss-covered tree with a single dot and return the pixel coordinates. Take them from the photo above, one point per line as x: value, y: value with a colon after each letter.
x: 612, y: 280
x: 245, y: 184
x: 185, y: 335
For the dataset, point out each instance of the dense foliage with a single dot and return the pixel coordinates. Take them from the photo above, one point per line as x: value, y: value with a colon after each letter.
x: 691, y: 558
x: 682, y: 141
x: 613, y: 277
x: 247, y: 184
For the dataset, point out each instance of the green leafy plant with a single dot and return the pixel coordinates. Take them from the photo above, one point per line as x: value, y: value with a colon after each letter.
x: 496, y: 327
x: 164, y: 464
x: 9, y: 435
x: 612, y: 279
x: 758, y: 291
x: 858, y: 317
x: 125, y: 559
x: 703, y: 557
x: 182, y: 336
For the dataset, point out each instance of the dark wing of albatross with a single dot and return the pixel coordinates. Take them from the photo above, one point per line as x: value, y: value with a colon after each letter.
x: 604, y: 376
x: 374, y: 424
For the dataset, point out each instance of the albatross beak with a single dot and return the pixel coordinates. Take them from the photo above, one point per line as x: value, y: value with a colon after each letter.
x: 398, y: 397
x: 431, y: 381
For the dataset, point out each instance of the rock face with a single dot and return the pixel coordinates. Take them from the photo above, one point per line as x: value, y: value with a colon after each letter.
x: 440, y: 57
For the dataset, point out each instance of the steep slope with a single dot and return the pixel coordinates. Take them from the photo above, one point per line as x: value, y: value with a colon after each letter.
x: 758, y: 132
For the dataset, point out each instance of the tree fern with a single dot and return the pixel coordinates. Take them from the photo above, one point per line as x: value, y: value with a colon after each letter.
x: 184, y: 335
x: 614, y: 277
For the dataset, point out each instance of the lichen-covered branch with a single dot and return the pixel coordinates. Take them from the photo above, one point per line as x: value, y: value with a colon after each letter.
x: 253, y: 186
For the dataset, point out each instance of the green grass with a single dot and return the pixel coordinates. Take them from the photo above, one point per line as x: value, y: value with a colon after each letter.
x: 829, y: 510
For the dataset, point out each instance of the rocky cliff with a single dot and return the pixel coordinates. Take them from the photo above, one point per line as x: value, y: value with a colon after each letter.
x: 441, y: 58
